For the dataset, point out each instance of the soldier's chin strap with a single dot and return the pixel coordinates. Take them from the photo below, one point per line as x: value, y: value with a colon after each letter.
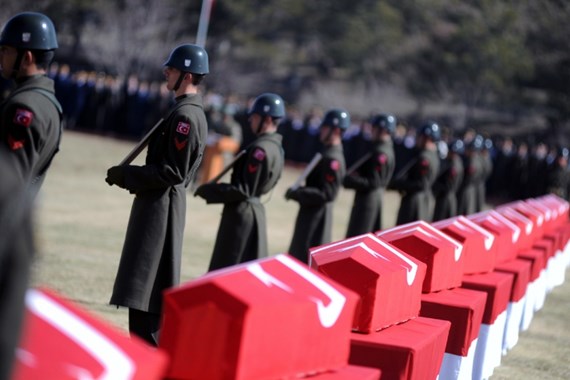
x: 17, y: 64
x: 260, y: 126
x: 179, y: 81
x: 328, y: 137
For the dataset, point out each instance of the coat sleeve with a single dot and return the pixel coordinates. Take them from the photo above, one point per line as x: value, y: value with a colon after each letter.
x: 376, y: 172
x: 182, y: 140
x: 23, y: 137
x: 325, y: 189
x: 248, y: 173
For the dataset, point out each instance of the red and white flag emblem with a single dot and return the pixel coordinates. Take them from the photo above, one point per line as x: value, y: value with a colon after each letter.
x: 183, y: 128
x: 23, y: 117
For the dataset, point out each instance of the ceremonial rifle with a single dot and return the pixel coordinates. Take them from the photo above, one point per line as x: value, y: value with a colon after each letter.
x: 141, y: 145
x: 308, y: 169
x: 228, y: 167
x: 358, y: 163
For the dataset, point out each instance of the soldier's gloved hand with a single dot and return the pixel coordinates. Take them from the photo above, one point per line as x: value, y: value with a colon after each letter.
x: 201, y: 190
x: 289, y: 193
x: 116, y: 176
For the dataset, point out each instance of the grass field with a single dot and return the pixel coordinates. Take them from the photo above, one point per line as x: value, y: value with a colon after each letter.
x: 81, y: 223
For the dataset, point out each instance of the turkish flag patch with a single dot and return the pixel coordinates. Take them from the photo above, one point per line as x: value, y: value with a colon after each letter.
x: 183, y: 128
x: 259, y: 154
x: 23, y: 117
x: 335, y: 165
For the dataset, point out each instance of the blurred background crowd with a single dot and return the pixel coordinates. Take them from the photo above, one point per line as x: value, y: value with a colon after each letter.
x: 96, y: 102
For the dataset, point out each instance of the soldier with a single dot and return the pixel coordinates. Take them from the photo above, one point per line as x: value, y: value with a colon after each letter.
x: 371, y: 178
x: 448, y: 181
x: 486, y: 171
x: 313, y: 226
x: 16, y: 255
x: 150, y: 261
x: 30, y: 118
x: 557, y: 178
x: 415, y: 180
x: 242, y: 234
x: 467, y: 193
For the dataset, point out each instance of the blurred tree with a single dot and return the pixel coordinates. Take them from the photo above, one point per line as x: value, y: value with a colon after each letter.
x: 475, y: 54
x: 549, y: 33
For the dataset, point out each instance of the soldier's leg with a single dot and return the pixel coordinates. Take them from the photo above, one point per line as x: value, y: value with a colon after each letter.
x: 144, y: 325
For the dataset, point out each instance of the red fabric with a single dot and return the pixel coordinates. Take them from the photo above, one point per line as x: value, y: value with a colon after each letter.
x: 62, y: 341
x: 521, y: 270
x: 498, y: 286
x: 559, y: 206
x: 537, y: 260
x: 463, y: 308
x: 479, y: 246
x: 351, y: 372
x: 388, y: 281
x: 528, y: 231
x: 412, y: 350
x: 555, y: 237
x: 442, y: 254
x: 506, y: 233
x: 537, y: 217
x: 546, y: 246
x: 269, y: 318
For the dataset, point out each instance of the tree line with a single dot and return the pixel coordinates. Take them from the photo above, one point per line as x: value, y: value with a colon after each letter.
x: 481, y: 63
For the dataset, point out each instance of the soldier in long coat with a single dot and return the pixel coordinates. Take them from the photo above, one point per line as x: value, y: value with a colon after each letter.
x: 486, y: 171
x: 242, y: 234
x: 371, y: 178
x: 467, y: 192
x: 416, y: 179
x: 150, y: 261
x: 313, y: 225
x: 448, y: 181
x: 30, y: 131
x: 30, y: 117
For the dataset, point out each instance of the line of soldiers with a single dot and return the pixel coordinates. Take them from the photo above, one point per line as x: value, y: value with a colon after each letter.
x: 432, y: 187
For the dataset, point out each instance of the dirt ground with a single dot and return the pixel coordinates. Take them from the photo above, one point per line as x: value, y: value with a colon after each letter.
x: 81, y: 223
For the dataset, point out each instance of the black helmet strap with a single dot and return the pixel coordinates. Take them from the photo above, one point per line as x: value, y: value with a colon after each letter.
x: 260, y: 126
x: 179, y: 81
x: 17, y: 63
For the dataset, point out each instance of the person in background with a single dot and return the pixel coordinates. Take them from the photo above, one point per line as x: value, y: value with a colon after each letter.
x: 415, y: 180
x: 448, y: 181
x: 472, y: 172
x: 242, y: 233
x: 151, y: 257
x: 16, y: 254
x: 31, y: 116
x: 369, y: 180
x: 313, y: 225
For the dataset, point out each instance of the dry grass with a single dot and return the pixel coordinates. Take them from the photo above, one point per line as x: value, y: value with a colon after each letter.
x: 81, y: 223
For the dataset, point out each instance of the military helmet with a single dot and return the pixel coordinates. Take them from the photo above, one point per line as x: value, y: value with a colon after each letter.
x: 384, y: 122
x: 431, y: 130
x: 562, y: 151
x: 457, y: 146
x: 268, y: 104
x: 337, y: 118
x: 189, y: 58
x: 29, y: 31
x: 477, y: 143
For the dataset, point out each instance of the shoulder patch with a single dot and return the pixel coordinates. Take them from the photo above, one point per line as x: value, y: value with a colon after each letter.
x: 259, y: 154
x: 183, y: 128
x: 335, y: 165
x: 382, y: 158
x: 23, y: 117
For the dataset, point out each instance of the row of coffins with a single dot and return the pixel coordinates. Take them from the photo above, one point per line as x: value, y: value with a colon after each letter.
x: 419, y: 301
